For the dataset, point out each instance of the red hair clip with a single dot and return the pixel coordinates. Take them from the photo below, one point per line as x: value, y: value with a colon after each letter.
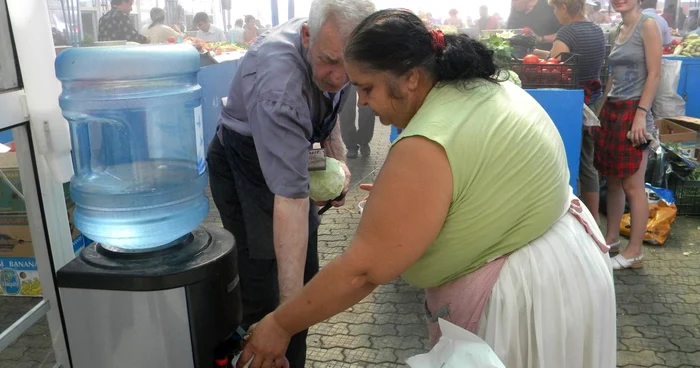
x: 438, y: 40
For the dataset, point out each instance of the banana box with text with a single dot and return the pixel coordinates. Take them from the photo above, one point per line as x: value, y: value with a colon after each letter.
x: 18, y: 270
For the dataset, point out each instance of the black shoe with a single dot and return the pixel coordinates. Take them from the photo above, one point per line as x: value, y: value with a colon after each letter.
x: 352, y: 153
x: 365, y: 150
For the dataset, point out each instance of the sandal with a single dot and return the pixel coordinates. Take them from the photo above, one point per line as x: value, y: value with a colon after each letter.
x: 620, y: 263
x: 614, y: 247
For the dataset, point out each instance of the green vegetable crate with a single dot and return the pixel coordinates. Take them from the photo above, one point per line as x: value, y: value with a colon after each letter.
x: 686, y: 193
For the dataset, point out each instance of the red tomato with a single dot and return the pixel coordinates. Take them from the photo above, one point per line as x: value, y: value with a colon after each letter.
x: 552, y: 61
x: 543, y: 62
x: 531, y: 59
x: 171, y: 39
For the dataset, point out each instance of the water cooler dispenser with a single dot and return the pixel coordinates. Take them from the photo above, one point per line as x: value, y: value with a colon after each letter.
x: 155, y: 289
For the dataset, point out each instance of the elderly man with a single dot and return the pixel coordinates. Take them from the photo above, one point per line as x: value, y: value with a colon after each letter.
x: 284, y: 97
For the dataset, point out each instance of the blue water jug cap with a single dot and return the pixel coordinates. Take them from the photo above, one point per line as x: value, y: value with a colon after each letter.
x: 126, y: 62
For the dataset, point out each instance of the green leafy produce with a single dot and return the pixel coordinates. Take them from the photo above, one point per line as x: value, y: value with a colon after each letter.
x: 695, y: 175
x: 679, y: 166
x: 327, y: 184
x: 513, y: 77
x: 501, y: 49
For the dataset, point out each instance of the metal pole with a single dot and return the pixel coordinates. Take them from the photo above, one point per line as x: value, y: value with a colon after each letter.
x: 275, y: 15
x: 290, y: 11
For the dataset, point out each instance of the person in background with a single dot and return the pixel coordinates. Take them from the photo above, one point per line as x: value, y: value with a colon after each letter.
x: 691, y: 22
x: 495, y: 237
x: 207, y: 31
x: 586, y: 39
x: 356, y: 137
x: 453, y: 20
x: 681, y: 18
x: 539, y: 17
x: 649, y: 8
x: 236, y: 34
x: 284, y: 97
x: 250, y: 30
x: 499, y: 19
x: 115, y: 25
x: 158, y: 32
x: 485, y: 21
x: 595, y: 13
x: 669, y: 15
x: 430, y: 20
x: 626, y: 119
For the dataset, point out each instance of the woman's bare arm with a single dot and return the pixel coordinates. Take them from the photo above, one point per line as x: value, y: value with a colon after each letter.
x: 408, y: 206
x: 651, y: 36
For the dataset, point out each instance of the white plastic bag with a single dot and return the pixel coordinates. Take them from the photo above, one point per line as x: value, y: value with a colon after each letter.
x: 457, y: 348
x: 589, y: 117
x: 668, y: 103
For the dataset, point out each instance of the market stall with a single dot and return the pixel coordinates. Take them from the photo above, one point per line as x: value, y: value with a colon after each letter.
x: 215, y: 80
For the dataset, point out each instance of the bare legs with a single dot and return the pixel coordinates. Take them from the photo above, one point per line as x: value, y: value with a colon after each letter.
x: 592, y: 201
x: 633, y: 188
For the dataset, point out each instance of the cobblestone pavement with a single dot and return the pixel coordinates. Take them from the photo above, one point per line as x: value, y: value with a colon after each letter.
x: 658, y: 306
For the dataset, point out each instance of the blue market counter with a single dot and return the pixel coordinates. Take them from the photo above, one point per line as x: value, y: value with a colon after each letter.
x: 215, y: 80
x: 565, y: 107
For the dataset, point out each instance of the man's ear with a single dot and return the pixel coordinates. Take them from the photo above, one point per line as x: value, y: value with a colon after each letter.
x: 305, y: 36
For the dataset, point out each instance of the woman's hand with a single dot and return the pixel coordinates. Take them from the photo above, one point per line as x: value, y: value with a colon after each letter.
x: 638, y: 133
x: 367, y: 187
x: 266, y: 343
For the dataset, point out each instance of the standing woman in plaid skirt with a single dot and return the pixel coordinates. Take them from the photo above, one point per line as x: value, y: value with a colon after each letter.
x: 626, y: 120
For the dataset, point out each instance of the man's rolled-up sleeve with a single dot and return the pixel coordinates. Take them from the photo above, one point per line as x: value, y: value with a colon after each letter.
x: 281, y: 133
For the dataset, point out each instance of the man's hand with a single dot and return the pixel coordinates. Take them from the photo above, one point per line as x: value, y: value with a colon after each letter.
x: 346, y: 187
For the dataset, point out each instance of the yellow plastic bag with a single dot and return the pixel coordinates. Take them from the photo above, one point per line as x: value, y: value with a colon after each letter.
x: 661, y: 216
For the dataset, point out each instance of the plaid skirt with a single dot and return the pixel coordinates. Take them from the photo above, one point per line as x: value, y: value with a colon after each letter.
x: 615, y: 156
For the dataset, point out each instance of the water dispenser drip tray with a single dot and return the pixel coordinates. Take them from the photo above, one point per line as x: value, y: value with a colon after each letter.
x: 170, y: 254
x: 170, y: 266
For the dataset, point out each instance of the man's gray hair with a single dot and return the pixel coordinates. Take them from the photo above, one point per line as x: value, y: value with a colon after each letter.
x: 346, y: 14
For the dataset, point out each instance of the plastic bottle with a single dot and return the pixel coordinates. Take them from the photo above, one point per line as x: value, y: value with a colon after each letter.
x: 138, y: 150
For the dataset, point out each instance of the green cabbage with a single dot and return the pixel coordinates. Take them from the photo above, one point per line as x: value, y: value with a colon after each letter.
x: 328, y: 184
x: 513, y: 77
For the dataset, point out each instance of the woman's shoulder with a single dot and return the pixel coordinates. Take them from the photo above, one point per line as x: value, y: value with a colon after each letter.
x: 456, y: 104
x: 582, y: 29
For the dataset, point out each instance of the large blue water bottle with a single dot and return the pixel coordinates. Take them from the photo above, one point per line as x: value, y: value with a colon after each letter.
x: 138, y: 150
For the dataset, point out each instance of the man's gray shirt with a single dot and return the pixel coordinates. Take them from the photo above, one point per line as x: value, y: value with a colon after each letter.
x: 274, y: 100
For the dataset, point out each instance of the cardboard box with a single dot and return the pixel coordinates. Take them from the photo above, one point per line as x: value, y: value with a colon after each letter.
x: 670, y: 132
x: 18, y: 271
x: 694, y: 125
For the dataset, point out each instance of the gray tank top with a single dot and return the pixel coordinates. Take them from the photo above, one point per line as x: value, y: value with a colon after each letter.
x: 628, y: 64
